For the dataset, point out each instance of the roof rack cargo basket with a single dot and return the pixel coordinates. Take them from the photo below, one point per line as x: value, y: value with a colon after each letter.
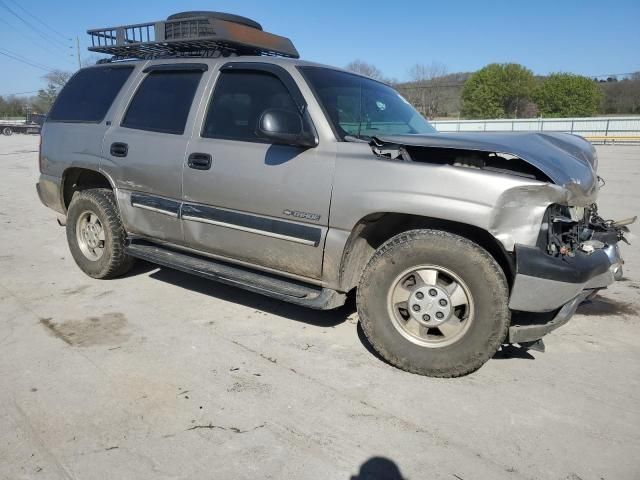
x: 201, y: 34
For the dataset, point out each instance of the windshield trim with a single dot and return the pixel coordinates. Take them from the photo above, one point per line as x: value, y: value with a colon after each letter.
x: 303, y: 69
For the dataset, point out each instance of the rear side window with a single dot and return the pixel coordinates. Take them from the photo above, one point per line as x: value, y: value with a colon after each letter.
x: 163, y: 101
x: 239, y: 99
x: 87, y: 96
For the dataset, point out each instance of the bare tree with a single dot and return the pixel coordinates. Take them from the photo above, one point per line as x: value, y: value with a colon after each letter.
x: 367, y: 69
x: 56, y: 79
x: 427, y: 87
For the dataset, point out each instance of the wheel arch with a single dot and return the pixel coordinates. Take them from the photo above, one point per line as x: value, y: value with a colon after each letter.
x: 75, y: 179
x: 371, y: 231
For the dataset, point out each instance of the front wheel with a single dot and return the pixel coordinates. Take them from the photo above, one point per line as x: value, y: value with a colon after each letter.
x: 7, y: 131
x: 434, y: 303
x: 96, y: 235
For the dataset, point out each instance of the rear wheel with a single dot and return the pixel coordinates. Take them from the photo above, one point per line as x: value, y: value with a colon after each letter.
x: 434, y: 303
x: 7, y: 131
x: 96, y: 235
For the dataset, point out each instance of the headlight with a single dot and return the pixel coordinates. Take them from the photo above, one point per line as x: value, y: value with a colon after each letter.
x: 576, y: 213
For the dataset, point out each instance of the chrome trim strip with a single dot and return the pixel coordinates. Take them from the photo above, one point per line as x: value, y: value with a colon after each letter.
x: 235, y: 261
x: 250, y: 230
x: 154, y: 209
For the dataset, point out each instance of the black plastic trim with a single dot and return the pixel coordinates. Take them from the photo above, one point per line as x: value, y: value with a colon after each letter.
x: 267, y: 225
x: 162, y: 205
x: 581, y: 268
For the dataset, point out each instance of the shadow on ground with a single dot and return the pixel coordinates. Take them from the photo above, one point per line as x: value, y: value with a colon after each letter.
x: 320, y: 318
x: 602, y: 306
x: 378, y: 468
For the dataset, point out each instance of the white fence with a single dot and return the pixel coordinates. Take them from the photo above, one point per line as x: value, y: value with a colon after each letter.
x: 595, y: 129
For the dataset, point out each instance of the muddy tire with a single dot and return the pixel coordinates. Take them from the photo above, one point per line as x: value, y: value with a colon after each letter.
x: 434, y: 303
x: 96, y: 235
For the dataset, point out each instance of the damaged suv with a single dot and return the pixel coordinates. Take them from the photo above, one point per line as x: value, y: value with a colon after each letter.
x: 216, y: 151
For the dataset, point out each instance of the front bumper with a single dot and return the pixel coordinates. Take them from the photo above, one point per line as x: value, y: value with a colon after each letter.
x: 544, y: 283
x: 547, y: 290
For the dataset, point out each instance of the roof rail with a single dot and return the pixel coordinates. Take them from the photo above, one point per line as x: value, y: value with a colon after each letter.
x: 193, y: 34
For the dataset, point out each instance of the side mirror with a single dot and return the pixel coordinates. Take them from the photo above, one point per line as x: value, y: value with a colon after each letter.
x: 285, y: 127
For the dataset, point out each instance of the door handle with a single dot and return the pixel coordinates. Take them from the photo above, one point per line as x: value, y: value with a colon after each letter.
x: 199, y: 161
x: 119, y: 149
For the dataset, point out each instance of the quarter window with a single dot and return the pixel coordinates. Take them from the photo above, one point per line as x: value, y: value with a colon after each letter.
x: 88, y: 95
x: 163, y: 101
x: 238, y: 101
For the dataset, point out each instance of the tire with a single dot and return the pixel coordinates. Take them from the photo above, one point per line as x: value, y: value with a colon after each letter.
x: 480, y: 325
x: 229, y: 17
x: 7, y: 131
x: 99, y: 205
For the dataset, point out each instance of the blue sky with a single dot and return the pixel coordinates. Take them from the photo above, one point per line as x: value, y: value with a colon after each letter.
x: 586, y: 37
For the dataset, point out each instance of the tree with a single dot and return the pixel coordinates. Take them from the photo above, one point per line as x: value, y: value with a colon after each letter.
x: 498, y: 90
x: 568, y: 95
x: 622, y: 96
x: 56, y: 79
x: 427, y: 88
x: 367, y: 69
x: 13, y: 106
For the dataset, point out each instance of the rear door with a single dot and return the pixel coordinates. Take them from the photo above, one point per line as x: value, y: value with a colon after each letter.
x: 144, y: 152
x: 249, y: 200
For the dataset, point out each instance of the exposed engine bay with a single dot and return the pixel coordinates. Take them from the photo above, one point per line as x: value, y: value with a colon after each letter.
x: 487, y: 161
x: 565, y: 230
x: 568, y: 229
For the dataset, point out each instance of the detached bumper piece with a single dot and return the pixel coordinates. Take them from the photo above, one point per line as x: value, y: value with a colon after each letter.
x: 547, y: 290
x: 531, y: 330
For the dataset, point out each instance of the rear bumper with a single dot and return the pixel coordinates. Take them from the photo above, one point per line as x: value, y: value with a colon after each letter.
x: 544, y: 283
x: 48, y: 188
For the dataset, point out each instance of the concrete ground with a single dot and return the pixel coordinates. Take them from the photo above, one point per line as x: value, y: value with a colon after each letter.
x: 163, y: 375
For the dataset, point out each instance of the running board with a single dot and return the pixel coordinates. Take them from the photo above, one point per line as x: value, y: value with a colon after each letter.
x: 268, y: 284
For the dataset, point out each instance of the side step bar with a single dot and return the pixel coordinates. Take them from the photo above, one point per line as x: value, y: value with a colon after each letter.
x: 268, y: 284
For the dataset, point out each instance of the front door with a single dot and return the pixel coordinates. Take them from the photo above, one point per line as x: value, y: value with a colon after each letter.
x: 144, y: 152
x: 248, y: 200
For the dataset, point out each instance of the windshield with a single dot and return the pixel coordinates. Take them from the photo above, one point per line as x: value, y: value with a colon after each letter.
x: 363, y: 108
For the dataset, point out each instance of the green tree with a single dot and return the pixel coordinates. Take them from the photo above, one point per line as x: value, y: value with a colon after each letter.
x: 568, y: 95
x: 498, y: 90
x: 56, y: 79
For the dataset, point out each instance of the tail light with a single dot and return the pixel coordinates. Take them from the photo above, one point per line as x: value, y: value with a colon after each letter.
x: 40, y: 156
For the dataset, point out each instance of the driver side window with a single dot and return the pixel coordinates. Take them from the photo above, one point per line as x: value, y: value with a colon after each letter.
x: 239, y: 99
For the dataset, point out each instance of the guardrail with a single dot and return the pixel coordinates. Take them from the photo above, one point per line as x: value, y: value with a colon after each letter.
x: 605, y: 130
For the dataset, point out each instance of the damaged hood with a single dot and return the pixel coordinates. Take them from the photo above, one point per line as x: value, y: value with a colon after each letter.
x: 568, y: 160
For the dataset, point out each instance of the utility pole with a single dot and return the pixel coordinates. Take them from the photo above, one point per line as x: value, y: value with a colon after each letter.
x: 78, y: 49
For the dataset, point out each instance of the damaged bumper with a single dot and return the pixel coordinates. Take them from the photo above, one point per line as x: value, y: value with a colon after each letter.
x: 544, y: 284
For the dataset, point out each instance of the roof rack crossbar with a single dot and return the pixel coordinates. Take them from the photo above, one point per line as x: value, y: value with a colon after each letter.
x: 194, y: 36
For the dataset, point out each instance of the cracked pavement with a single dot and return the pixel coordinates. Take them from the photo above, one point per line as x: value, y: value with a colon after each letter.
x: 163, y: 375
